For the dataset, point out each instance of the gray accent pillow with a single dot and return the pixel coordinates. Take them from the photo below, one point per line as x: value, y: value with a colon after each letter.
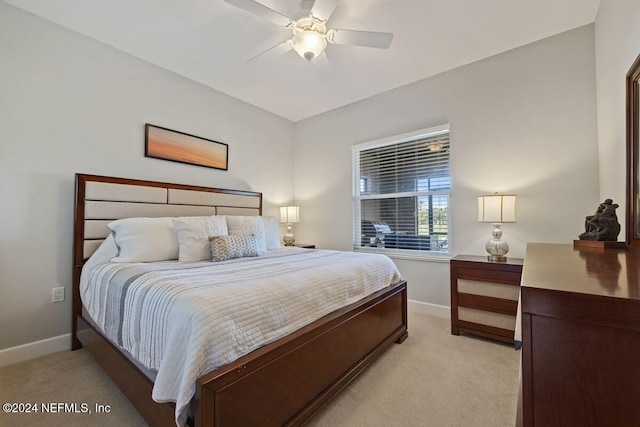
x: 233, y: 246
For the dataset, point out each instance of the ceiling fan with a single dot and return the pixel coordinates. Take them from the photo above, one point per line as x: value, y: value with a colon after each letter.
x: 310, y: 33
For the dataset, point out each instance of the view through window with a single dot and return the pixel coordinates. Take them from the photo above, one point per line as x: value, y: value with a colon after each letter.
x: 401, y: 192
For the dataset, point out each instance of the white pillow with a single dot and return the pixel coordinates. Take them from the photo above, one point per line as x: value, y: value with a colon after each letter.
x: 271, y: 232
x: 193, y: 236
x: 144, y: 239
x: 248, y: 225
x: 104, y: 253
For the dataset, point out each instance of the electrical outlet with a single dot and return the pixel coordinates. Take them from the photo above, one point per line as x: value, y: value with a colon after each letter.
x: 57, y: 295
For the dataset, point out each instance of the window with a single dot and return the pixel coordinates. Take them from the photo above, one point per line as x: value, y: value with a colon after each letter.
x: 401, y: 189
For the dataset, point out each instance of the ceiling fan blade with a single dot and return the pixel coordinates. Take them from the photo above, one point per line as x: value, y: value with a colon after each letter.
x: 277, y: 50
x: 262, y: 11
x: 360, y: 38
x: 322, y: 9
x: 322, y: 66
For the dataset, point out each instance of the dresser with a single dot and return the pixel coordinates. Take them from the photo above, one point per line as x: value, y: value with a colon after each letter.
x: 484, y: 296
x: 580, y: 336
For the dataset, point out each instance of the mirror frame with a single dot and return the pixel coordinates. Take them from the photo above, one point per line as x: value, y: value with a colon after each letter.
x: 633, y: 153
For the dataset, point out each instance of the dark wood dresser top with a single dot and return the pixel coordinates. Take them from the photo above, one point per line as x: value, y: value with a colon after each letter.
x: 560, y: 267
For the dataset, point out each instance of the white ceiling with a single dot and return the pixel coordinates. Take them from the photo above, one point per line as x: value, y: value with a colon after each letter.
x: 209, y: 41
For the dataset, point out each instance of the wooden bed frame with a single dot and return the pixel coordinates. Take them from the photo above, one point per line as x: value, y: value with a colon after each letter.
x: 282, y: 383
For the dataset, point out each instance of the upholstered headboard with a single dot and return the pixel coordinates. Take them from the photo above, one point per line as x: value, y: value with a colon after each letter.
x: 102, y: 199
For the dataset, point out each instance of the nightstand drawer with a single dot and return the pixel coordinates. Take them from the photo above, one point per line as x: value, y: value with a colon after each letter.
x: 495, y: 305
x: 488, y: 289
x: 489, y: 275
x: 497, y: 320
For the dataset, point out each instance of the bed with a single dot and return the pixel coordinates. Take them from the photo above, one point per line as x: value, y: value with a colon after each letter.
x: 282, y: 382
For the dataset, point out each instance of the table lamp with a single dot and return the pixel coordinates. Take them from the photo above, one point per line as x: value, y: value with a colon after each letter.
x: 497, y: 209
x: 289, y: 215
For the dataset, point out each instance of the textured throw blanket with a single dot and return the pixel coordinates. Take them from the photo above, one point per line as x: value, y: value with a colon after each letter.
x: 183, y: 320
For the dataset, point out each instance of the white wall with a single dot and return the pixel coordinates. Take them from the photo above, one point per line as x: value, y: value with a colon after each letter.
x: 70, y: 104
x: 522, y: 122
x: 617, y: 39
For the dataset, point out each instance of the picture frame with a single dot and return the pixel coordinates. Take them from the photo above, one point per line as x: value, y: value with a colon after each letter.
x: 167, y: 144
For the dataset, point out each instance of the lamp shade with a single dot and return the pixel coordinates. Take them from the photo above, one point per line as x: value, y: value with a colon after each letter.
x: 289, y: 214
x: 497, y: 208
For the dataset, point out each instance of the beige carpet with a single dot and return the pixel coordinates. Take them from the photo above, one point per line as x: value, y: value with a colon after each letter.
x: 432, y: 379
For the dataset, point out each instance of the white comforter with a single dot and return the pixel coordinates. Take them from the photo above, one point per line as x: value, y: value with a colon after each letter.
x: 184, y: 320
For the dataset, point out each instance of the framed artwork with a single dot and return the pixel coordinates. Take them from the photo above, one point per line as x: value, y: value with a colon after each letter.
x: 167, y: 144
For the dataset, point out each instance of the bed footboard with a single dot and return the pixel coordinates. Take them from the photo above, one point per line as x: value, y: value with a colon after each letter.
x: 285, y: 382
x: 282, y: 383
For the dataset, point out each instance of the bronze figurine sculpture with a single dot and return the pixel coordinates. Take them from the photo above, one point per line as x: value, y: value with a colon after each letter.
x: 603, y: 225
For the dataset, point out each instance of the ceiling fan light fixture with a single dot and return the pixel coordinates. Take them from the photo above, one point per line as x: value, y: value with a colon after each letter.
x: 309, y: 44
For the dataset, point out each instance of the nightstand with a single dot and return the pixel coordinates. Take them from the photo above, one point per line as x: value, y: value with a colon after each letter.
x: 304, y: 245
x: 484, y: 296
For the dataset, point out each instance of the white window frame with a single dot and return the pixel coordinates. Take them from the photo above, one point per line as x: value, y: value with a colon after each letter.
x: 357, y: 197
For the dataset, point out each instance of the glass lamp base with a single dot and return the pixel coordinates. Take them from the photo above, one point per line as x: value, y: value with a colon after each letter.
x: 289, y: 239
x: 496, y: 247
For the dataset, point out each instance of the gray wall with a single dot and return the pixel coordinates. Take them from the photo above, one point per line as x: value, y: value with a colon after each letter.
x: 522, y: 122
x: 70, y: 104
x: 617, y: 39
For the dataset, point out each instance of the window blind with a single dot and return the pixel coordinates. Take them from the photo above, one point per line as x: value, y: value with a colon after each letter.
x: 401, y: 193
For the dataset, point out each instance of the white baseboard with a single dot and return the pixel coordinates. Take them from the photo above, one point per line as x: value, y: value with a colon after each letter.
x: 32, y: 350
x: 430, y: 309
